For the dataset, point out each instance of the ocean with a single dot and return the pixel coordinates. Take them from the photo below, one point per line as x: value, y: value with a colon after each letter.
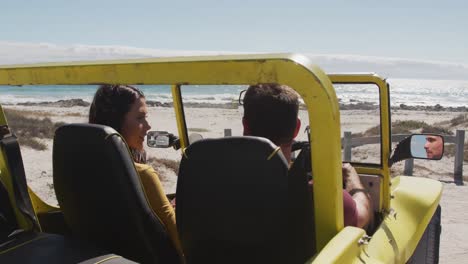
x: 412, y: 92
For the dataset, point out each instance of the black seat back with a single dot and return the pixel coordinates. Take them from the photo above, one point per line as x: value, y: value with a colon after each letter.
x: 101, y: 196
x: 301, y: 206
x: 233, y: 204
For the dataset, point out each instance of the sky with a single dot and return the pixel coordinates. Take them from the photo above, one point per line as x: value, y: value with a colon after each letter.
x: 421, y: 30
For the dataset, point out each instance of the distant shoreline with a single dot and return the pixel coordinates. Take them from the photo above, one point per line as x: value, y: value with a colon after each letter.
x: 234, y: 105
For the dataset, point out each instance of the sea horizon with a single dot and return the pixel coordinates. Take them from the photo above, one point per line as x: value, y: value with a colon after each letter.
x: 411, y: 92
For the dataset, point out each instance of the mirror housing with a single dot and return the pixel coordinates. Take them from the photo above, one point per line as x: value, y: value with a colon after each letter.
x: 419, y: 146
x: 164, y: 139
x: 194, y: 137
x: 427, y: 146
x: 161, y: 139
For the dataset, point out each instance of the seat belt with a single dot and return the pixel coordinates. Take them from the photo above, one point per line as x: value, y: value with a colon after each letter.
x: 18, y: 177
x: 7, y: 216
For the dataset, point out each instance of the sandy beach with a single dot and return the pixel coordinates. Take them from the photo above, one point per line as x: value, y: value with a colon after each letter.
x: 212, y: 123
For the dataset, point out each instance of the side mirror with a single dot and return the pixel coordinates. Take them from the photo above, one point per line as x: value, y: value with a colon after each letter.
x: 160, y: 139
x: 164, y: 139
x: 419, y: 146
x: 427, y: 146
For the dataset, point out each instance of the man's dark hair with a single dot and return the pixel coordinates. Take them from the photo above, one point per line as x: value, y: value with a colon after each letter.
x: 270, y: 111
x: 111, y: 103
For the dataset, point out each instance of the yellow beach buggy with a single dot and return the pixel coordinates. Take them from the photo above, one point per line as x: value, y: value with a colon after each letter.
x: 236, y: 200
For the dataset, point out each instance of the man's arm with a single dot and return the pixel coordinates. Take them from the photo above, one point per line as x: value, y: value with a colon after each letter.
x: 359, y: 194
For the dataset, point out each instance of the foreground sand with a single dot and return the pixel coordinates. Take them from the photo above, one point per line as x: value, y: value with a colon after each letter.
x: 212, y: 122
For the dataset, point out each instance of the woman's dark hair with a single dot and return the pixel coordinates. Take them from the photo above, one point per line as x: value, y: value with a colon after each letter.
x: 110, y: 105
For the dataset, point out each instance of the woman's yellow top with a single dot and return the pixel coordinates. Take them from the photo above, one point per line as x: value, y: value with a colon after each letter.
x: 158, y: 201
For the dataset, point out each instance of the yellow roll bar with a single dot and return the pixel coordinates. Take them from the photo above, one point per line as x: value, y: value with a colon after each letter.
x: 385, y: 135
x: 296, y: 71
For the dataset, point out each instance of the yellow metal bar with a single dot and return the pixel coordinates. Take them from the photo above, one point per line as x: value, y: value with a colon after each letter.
x: 296, y: 71
x: 369, y: 78
x: 3, y: 121
x: 361, y: 169
x: 39, y: 205
x: 180, y: 115
x: 386, y: 141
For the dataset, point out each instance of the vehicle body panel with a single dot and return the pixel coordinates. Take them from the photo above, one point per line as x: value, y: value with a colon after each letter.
x: 414, y: 202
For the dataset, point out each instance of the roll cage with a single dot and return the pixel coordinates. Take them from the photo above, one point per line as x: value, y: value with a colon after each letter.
x: 316, y: 89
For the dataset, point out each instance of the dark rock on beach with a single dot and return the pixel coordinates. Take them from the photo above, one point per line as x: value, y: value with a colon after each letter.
x: 59, y: 103
x: 436, y: 108
x: 208, y: 105
x: 359, y: 106
x: 354, y: 105
x: 194, y: 105
x: 158, y: 104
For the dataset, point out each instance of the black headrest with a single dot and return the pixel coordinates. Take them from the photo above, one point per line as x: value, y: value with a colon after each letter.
x: 233, y: 202
x: 101, y: 196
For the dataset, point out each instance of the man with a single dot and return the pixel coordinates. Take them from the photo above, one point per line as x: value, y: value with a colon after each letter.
x: 434, y: 147
x: 271, y: 111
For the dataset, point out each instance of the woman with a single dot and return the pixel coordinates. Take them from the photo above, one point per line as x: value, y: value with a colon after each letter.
x: 123, y: 108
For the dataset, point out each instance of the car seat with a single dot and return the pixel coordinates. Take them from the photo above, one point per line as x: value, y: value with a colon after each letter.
x: 101, y: 195
x: 21, y: 239
x: 235, y: 204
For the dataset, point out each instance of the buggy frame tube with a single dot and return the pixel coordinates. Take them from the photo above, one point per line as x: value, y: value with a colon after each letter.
x: 385, y: 139
x: 180, y: 115
x: 296, y: 71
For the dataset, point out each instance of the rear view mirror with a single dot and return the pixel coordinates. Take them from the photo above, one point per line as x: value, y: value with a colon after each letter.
x: 428, y: 146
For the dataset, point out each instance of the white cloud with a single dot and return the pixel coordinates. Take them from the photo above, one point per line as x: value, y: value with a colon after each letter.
x: 392, y: 67
x: 21, y: 53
